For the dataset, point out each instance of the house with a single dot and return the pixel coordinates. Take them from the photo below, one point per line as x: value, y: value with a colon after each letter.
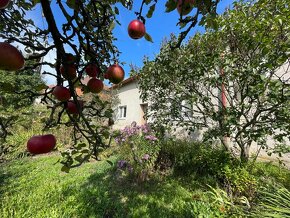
x: 130, y: 107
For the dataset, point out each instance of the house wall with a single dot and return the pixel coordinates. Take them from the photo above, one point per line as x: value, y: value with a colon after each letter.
x: 129, y: 96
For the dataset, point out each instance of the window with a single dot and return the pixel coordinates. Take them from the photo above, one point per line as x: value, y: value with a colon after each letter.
x: 122, y: 112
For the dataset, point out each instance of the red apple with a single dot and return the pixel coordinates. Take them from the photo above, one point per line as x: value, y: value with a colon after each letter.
x: 69, y: 58
x: 68, y: 71
x: 4, y: 3
x: 92, y: 70
x: 115, y: 73
x: 185, y: 7
x: 41, y: 144
x: 136, y: 29
x: 72, y: 107
x: 61, y: 93
x: 10, y: 57
x: 95, y: 85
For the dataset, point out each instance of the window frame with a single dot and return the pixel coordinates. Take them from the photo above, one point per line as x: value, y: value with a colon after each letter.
x: 122, y: 112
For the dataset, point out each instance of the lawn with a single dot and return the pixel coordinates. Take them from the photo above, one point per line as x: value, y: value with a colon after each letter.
x: 35, y: 187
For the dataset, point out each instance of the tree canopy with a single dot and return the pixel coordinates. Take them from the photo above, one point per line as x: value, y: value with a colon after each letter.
x: 230, y: 82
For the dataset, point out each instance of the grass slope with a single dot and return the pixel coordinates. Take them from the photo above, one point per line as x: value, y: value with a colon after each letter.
x: 37, y: 188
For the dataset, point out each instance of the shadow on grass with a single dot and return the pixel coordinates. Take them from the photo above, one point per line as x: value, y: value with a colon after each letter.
x: 4, y: 176
x: 103, y: 195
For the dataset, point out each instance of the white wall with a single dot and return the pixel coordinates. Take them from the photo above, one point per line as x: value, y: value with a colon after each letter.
x: 129, y: 96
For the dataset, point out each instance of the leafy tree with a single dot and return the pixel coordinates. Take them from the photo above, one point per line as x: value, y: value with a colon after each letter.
x: 232, y: 82
x: 15, y: 96
x: 83, y: 29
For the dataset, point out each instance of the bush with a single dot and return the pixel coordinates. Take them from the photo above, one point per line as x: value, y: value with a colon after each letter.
x: 28, y: 124
x: 139, y: 151
x: 268, y: 171
x: 187, y: 156
x: 207, y: 161
x: 239, y: 182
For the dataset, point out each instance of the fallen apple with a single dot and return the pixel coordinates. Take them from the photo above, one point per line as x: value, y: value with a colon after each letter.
x: 41, y: 144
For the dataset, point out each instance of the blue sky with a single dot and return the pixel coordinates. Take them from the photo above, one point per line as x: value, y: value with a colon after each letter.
x: 161, y: 25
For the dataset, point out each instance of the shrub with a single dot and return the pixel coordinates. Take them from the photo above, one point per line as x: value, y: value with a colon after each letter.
x: 239, y: 182
x: 139, y: 150
x: 188, y: 156
x: 268, y: 171
x: 208, y: 161
x: 31, y: 123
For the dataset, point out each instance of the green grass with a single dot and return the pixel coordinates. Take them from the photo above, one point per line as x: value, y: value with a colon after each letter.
x: 35, y: 187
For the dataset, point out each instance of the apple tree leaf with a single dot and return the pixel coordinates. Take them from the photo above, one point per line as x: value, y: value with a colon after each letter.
x: 116, y: 10
x: 151, y: 11
x: 147, y: 2
x: 65, y: 169
x: 71, y: 4
x: 170, y: 5
x: 35, y: 2
x: 112, y: 26
x: 110, y: 162
x: 148, y: 37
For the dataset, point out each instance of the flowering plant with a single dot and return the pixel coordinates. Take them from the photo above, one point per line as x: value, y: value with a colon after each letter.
x: 139, y: 148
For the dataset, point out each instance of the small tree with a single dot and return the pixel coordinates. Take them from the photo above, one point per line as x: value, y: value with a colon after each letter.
x: 234, y: 81
x: 15, y: 97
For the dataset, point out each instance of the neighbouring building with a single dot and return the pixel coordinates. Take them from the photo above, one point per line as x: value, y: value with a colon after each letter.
x: 130, y: 107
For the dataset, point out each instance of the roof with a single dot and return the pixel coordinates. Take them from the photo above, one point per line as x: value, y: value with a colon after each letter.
x: 125, y: 82
x: 86, y: 80
x: 51, y: 86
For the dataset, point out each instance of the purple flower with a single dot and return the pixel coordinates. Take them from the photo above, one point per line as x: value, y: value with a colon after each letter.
x: 145, y: 128
x: 150, y: 138
x: 146, y: 157
x: 121, y: 164
x: 120, y: 139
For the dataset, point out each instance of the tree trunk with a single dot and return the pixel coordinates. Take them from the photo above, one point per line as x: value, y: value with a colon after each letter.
x: 226, y: 142
x: 245, y: 154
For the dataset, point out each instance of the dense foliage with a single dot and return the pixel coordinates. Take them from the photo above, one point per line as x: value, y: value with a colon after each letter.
x: 15, y: 99
x: 229, y: 85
